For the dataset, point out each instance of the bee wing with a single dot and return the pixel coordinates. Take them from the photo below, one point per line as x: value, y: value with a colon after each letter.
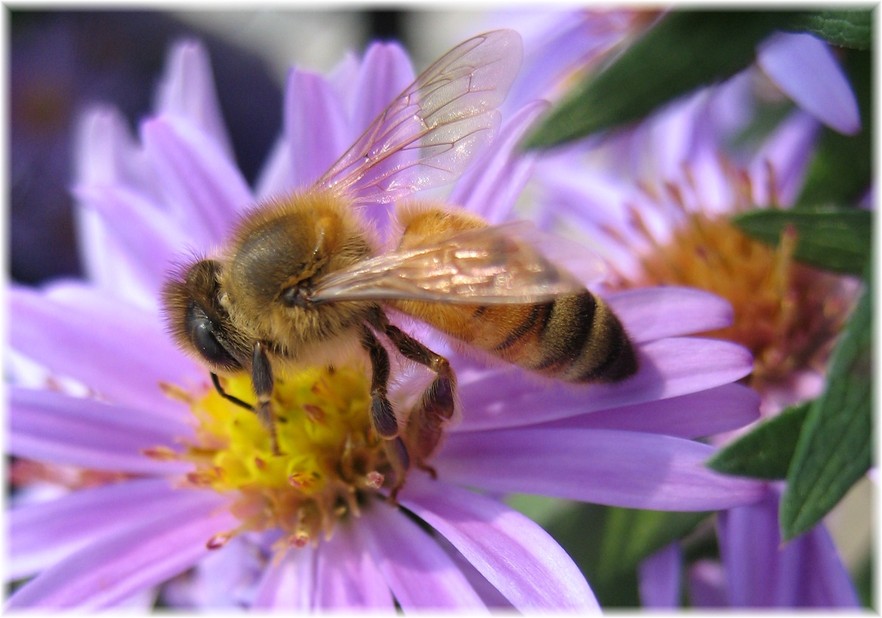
x: 493, y: 265
x: 430, y: 132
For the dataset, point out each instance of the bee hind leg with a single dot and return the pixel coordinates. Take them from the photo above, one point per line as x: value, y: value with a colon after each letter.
x: 426, y: 423
x: 399, y: 459
x: 382, y: 414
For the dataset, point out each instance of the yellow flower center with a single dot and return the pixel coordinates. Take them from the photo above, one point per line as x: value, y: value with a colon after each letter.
x: 786, y: 313
x: 330, y: 459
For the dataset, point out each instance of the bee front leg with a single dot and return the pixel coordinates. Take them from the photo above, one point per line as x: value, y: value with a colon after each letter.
x: 425, y: 427
x: 262, y: 382
x: 382, y: 414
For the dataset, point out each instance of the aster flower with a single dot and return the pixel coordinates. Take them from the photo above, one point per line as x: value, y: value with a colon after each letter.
x: 657, y: 199
x: 138, y: 482
x: 672, y: 226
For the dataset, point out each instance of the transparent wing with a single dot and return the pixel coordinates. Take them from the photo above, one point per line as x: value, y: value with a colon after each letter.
x: 427, y: 135
x: 493, y: 265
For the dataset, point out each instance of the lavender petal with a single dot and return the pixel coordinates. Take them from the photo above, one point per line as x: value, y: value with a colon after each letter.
x: 77, y: 331
x: 131, y: 560
x: 347, y: 577
x: 288, y: 582
x: 515, y: 555
x: 204, y: 187
x: 384, y: 73
x: 806, y: 572
x: 187, y: 90
x: 315, y: 127
x: 659, y: 578
x: 493, y: 183
x: 43, y: 533
x: 618, y: 468
x: 804, y: 68
x: 48, y: 426
x: 138, y: 241
x: 779, y: 168
x: 696, y: 415
x: 420, y: 574
x: 647, y: 312
x: 706, y: 584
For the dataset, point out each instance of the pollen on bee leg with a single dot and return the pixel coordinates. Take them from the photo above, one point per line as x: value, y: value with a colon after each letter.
x: 374, y: 479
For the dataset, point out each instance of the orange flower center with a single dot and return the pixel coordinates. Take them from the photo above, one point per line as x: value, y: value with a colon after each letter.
x: 786, y: 313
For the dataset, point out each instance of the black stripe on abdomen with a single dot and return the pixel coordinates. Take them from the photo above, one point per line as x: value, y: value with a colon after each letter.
x: 567, y: 331
x: 538, y: 312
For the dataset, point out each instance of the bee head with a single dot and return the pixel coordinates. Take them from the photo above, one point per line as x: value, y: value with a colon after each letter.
x: 198, y: 321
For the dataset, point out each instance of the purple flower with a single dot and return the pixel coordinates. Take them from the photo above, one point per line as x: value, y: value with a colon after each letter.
x: 149, y: 486
x: 657, y: 199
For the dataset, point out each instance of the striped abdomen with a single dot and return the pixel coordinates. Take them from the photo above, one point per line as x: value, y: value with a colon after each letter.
x: 575, y: 337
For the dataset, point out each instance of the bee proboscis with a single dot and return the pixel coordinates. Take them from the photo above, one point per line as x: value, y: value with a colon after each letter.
x: 302, y: 277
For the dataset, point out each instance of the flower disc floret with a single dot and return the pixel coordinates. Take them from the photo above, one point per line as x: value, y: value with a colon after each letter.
x: 786, y: 313
x: 329, y: 453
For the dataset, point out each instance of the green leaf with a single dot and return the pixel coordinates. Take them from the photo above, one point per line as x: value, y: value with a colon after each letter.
x: 833, y: 450
x: 607, y: 543
x: 865, y: 581
x: 835, y: 238
x: 766, y: 451
x: 580, y: 529
x: 633, y: 535
x: 841, y: 169
x: 540, y: 509
x: 843, y: 28
x: 684, y: 50
x: 618, y: 539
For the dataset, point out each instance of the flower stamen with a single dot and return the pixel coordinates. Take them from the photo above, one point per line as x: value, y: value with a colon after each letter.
x: 330, y: 460
x: 786, y: 313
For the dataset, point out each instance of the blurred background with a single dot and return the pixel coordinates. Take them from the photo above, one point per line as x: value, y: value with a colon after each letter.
x: 60, y: 62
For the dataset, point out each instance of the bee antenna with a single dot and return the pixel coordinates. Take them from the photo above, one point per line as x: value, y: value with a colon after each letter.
x: 220, y: 390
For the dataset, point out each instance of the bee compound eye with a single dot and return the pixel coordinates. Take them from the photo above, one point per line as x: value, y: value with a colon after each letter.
x: 201, y: 331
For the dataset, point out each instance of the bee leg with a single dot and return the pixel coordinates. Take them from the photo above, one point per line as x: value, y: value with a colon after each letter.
x: 382, y: 414
x: 396, y: 452
x: 425, y: 427
x: 262, y: 382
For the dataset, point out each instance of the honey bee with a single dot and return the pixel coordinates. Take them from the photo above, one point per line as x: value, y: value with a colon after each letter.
x: 302, y: 276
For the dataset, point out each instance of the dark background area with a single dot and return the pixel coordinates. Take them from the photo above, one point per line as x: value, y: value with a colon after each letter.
x: 60, y: 62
